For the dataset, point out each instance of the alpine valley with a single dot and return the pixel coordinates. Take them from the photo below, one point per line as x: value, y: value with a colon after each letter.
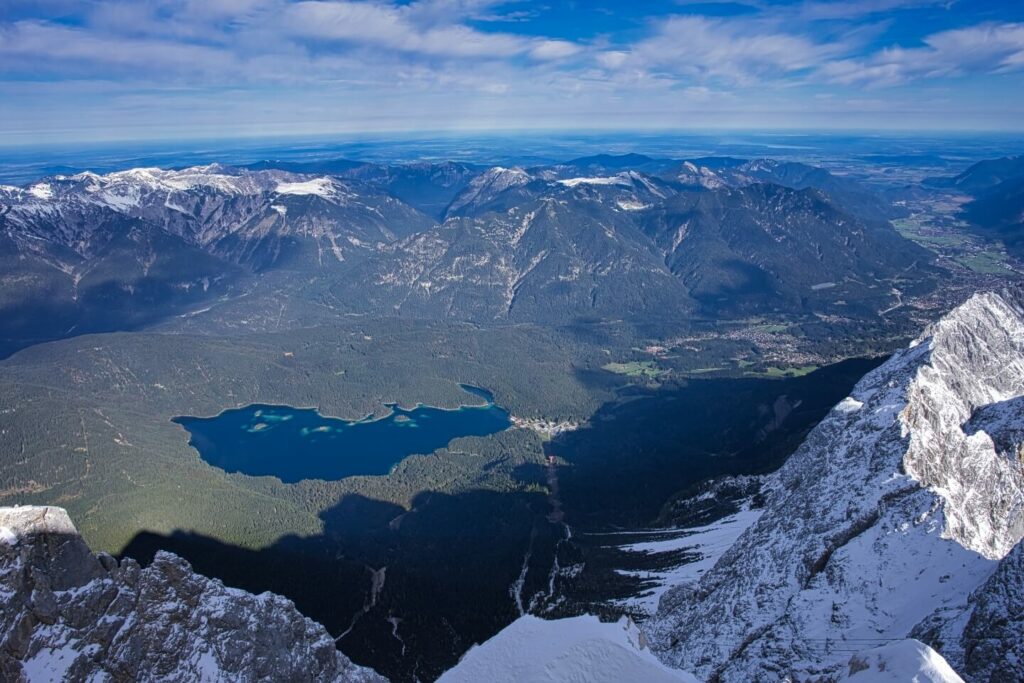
x: 749, y: 414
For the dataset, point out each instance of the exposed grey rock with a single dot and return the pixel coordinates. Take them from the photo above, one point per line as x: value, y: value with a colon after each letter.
x: 895, y: 510
x: 985, y: 640
x: 993, y: 641
x: 66, y: 614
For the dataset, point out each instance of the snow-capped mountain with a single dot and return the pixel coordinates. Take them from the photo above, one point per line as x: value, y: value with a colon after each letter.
x: 87, y: 252
x: 486, y: 186
x: 544, y: 256
x: 557, y: 246
x: 69, y: 615
x: 211, y: 207
x: 90, y: 252
x: 896, y: 517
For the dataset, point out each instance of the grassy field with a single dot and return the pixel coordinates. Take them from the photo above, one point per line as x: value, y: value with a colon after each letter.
x: 986, y: 262
x: 647, y: 369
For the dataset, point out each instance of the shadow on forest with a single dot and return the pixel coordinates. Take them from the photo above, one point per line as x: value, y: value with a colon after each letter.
x: 635, y: 453
x: 449, y: 562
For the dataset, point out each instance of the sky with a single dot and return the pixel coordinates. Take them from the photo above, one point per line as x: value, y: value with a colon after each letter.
x: 99, y: 70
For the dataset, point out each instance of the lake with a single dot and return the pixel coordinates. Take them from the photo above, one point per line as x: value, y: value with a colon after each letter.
x: 293, y: 444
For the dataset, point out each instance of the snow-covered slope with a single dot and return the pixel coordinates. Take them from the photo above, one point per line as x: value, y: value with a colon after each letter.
x: 896, y: 507
x: 68, y: 615
x: 576, y: 650
x: 905, y: 661
x: 226, y: 211
x: 707, y: 543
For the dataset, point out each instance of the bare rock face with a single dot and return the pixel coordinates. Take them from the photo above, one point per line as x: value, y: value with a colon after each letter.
x: 984, y: 640
x: 993, y: 641
x: 66, y: 614
x: 894, y: 512
x: 975, y: 369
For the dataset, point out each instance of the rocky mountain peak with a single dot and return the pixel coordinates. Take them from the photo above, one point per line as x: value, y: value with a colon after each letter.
x: 487, y: 185
x: 891, y: 514
x: 68, y: 614
x: 975, y: 371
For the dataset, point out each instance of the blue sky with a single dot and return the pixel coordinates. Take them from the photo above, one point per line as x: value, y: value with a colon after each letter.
x: 90, y: 70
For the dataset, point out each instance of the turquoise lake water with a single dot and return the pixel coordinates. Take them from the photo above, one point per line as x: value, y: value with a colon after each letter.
x: 293, y: 444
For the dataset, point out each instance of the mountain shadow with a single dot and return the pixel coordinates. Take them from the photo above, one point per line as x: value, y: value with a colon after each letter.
x: 638, y: 451
x: 404, y: 592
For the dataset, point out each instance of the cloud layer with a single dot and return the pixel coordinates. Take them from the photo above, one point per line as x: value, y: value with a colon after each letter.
x: 199, y: 65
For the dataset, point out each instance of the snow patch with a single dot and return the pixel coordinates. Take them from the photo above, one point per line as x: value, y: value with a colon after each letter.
x: 631, y: 205
x: 50, y: 665
x: 322, y: 187
x: 849, y: 405
x: 42, y: 191
x: 905, y: 661
x: 576, y: 649
x: 604, y: 180
x: 709, y: 541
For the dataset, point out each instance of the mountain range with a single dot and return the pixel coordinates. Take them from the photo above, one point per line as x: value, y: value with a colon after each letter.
x: 89, y: 252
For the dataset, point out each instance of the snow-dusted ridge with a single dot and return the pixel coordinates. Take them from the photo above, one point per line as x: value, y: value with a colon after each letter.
x: 888, y: 516
x: 323, y: 187
x: 904, y: 661
x: 488, y: 184
x: 68, y: 615
x: 243, y: 216
x: 602, y: 180
x: 577, y: 649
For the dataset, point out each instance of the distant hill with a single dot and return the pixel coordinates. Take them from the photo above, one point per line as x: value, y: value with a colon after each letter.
x: 982, y: 176
x: 997, y: 212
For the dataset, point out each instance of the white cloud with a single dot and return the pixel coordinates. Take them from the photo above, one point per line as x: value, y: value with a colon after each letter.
x: 400, y: 28
x: 736, y: 51
x: 554, y: 49
x: 986, y: 48
x: 612, y: 59
x: 854, y: 9
x: 71, y: 51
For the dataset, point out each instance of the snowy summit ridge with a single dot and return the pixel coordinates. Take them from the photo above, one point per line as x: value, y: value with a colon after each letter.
x: 890, y: 517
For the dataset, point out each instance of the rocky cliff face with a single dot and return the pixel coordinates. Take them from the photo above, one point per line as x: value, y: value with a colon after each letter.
x: 985, y: 639
x: 897, y: 508
x: 66, y: 614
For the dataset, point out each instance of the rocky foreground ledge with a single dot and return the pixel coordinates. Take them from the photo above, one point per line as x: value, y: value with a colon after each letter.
x: 69, y: 615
